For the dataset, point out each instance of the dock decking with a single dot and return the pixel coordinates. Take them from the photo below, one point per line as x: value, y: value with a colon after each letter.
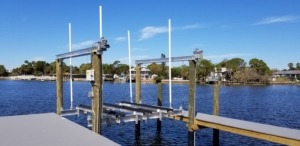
x: 47, y: 129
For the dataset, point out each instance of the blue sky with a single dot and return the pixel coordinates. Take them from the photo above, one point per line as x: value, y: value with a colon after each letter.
x: 264, y: 29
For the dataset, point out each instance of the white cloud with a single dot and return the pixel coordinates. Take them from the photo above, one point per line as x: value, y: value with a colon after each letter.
x: 151, y: 31
x: 83, y: 44
x: 280, y: 19
x: 193, y: 26
x: 121, y: 38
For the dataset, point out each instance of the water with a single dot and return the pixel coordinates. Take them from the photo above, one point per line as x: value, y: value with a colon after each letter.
x: 274, y: 104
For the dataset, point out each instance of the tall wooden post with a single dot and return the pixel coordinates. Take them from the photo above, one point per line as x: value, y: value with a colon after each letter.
x: 159, y: 103
x: 138, y: 84
x: 97, y: 92
x: 59, y: 86
x: 191, y: 108
x: 138, y: 93
x: 216, y: 112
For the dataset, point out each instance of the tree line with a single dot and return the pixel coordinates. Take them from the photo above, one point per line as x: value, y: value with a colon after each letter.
x: 236, y: 69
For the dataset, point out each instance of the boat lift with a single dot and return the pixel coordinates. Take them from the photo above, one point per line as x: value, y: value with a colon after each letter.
x: 128, y: 111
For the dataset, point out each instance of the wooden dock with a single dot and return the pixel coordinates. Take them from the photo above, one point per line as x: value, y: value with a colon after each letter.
x: 280, y: 135
x: 47, y: 130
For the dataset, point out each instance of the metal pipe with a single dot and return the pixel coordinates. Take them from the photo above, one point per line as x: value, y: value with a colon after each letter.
x: 129, y: 58
x: 170, y: 66
x: 71, y: 81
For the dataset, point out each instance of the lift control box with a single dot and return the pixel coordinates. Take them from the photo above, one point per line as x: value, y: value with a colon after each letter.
x: 90, y: 75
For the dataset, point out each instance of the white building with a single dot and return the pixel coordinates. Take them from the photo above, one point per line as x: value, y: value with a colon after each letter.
x: 145, y: 73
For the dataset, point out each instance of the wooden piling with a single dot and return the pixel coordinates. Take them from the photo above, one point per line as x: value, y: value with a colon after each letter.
x: 97, y: 92
x: 59, y: 86
x: 191, y: 106
x: 138, y: 84
x: 138, y: 93
x: 159, y: 103
x: 216, y: 111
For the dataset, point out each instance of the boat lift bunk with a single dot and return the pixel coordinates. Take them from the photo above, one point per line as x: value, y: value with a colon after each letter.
x: 125, y: 112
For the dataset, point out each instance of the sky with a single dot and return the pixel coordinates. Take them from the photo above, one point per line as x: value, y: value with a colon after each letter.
x: 38, y: 30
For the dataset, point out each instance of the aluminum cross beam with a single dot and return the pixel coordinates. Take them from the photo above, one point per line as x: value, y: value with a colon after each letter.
x: 102, y: 46
x: 198, y: 55
x: 173, y: 59
x: 76, y: 53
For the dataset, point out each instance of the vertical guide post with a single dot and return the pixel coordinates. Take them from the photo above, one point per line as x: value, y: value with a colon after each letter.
x: 138, y: 93
x: 71, y: 78
x: 216, y: 112
x: 97, y: 91
x: 129, y: 61
x: 159, y: 103
x: 59, y: 86
x: 191, y: 108
x: 170, y: 66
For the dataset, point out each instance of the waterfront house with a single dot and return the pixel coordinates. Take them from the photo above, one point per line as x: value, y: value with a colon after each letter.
x: 290, y: 74
x: 145, y: 73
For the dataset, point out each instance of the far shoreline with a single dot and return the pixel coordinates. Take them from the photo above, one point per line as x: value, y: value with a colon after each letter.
x: 165, y: 81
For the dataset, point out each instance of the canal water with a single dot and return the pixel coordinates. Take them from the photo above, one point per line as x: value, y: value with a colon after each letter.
x: 272, y: 104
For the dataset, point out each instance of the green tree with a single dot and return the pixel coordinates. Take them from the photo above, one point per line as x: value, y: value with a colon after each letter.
x: 3, y: 71
x: 235, y: 64
x: 260, y: 66
x: 291, y: 66
x: 176, y: 72
x: 298, y: 66
x: 86, y: 66
x: 185, y: 72
x: 123, y: 68
x: 115, y: 65
x: 203, y: 69
x: 51, y: 69
x: 39, y: 67
x: 155, y: 69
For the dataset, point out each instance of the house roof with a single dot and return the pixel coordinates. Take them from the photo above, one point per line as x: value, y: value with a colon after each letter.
x: 289, y: 72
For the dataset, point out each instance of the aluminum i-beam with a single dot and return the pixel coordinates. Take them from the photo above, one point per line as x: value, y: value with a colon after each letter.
x: 198, y: 55
x: 76, y: 53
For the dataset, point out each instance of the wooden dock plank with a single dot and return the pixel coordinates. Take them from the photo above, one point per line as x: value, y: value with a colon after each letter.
x: 46, y: 130
x: 266, y: 132
x: 271, y: 133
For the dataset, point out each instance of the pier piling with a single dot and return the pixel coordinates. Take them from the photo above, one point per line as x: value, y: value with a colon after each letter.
x: 216, y: 111
x: 159, y: 102
x: 59, y: 86
x: 191, y: 107
x: 97, y: 92
x: 138, y: 92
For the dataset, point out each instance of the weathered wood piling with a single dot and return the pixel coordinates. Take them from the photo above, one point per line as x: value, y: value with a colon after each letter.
x: 216, y: 111
x: 97, y: 92
x: 191, y: 106
x: 59, y: 86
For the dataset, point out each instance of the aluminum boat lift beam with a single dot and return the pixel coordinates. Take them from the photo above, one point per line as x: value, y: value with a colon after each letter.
x: 87, y: 51
x: 198, y: 54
